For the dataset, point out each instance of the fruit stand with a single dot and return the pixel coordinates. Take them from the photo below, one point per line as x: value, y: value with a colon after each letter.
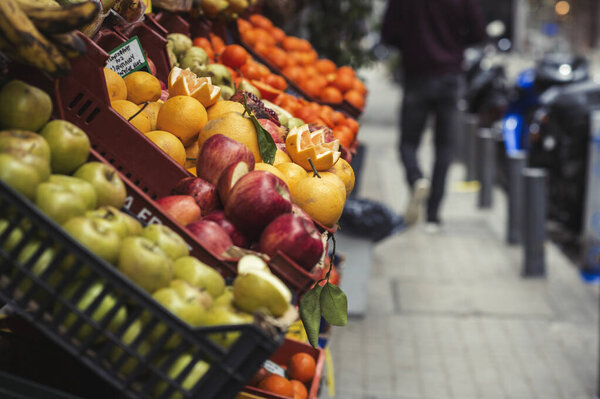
x: 169, y: 194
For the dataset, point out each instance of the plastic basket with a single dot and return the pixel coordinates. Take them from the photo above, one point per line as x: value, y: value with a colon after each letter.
x: 282, y: 355
x: 42, y: 301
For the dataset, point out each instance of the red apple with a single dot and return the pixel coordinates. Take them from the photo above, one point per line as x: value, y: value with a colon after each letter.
x: 218, y: 216
x: 182, y: 208
x: 212, y: 236
x: 296, y: 210
x: 260, y: 375
x: 257, y: 198
x: 294, y: 236
x: 217, y: 153
x: 229, y: 177
x: 203, y: 192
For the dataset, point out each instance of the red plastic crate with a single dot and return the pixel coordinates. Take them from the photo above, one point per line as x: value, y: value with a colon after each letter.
x: 282, y: 355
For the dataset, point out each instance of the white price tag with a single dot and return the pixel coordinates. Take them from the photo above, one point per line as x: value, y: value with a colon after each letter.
x: 127, y: 58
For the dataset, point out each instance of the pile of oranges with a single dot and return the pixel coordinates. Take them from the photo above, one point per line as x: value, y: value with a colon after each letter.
x: 241, y: 65
x: 300, y: 371
x: 344, y: 128
x: 299, y: 62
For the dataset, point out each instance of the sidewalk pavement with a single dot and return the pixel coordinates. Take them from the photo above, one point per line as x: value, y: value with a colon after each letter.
x: 449, y: 315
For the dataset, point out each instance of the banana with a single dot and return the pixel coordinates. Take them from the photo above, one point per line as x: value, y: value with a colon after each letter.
x: 31, y: 46
x: 61, y: 19
x: 69, y: 44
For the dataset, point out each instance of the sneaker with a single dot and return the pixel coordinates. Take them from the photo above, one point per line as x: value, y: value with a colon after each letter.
x: 417, y: 199
x: 433, y: 227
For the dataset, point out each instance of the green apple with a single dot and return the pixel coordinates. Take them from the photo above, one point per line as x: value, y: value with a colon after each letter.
x: 225, y: 299
x: 167, y: 240
x: 69, y: 145
x: 82, y: 188
x: 110, y: 189
x: 96, y: 236
x: 143, y: 348
x: 145, y: 263
x: 199, y: 275
x: 134, y: 226
x: 14, y: 237
x: 23, y: 106
x: 222, y: 316
x: 41, y: 165
x: 107, y: 303
x: 189, y: 382
x: 112, y: 216
x: 186, y: 302
x: 19, y: 175
x: 24, y: 140
x: 58, y: 202
x: 39, y: 266
x: 258, y: 289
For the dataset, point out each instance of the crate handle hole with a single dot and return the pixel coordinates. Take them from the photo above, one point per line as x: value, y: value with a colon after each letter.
x: 74, y: 102
x: 92, y: 116
x: 84, y: 107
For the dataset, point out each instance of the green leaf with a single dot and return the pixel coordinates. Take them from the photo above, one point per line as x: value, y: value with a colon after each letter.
x: 310, y: 313
x: 334, y: 305
x: 266, y: 144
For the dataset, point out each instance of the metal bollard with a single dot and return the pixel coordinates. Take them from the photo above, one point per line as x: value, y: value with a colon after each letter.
x: 486, y: 157
x: 534, y: 230
x: 471, y: 123
x: 516, y: 164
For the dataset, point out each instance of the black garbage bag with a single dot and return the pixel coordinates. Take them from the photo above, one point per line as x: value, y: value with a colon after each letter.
x: 369, y: 219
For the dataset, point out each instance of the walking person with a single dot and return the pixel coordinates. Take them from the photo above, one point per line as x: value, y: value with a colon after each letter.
x: 431, y: 36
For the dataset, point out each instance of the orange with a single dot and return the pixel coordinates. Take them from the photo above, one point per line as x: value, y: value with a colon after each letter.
x: 337, y: 117
x: 260, y: 21
x: 117, y: 89
x: 292, y: 172
x: 272, y: 169
x: 310, y: 87
x: 306, y: 113
x: 151, y: 111
x: 223, y: 107
x: 344, y: 171
x: 276, y: 81
x: 355, y: 98
x: 333, y: 179
x: 141, y: 87
x: 359, y: 86
x: 292, y: 43
x: 234, y: 56
x: 169, y: 144
x: 324, y: 202
x: 183, y: 116
x: 331, y: 95
x: 299, y: 388
x: 302, y: 366
x: 281, y: 156
x: 325, y: 114
x: 343, y: 81
x: 127, y: 109
x: 352, y: 125
x: 217, y: 43
x: 191, y: 156
x: 293, y: 73
x: 310, y: 71
x: 192, y: 170
x: 183, y: 82
x: 249, y: 36
x: 277, y: 57
x: 250, y: 70
x: 346, y: 70
x: 325, y: 66
x: 302, y: 145
x: 264, y: 36
x: 243, y: 25
x: 267, y: 92
x: 234, y: 126
x: 277, y: 384
x: 204, y: 44
x: 262, y: 48
x: 278, y: 34
x: 344, y: 135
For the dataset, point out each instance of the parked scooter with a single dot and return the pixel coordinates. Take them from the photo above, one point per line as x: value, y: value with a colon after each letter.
x: 558, y: 142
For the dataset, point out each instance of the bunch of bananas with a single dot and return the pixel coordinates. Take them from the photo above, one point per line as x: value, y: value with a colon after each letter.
x: 42, y: 34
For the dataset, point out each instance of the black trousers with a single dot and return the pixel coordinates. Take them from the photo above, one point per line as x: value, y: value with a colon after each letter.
x: 438, y: 97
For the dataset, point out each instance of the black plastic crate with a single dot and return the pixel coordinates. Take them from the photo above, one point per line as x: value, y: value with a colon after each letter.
x: 49, y: 299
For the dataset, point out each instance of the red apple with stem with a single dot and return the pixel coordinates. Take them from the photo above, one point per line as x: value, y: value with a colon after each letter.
x: 237, y: 237
x: 212, y: 236
x: 182, y: 208
x: 217, y: 153
x: 257, y: 198
x: 203, y: 192
x: 295, y: 236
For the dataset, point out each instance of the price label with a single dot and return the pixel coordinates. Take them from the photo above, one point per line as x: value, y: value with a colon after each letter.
x: 128, y: 57
x: 274, y: 368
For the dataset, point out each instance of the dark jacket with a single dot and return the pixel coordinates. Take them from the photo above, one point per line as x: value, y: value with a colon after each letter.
x: 432, y: 34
